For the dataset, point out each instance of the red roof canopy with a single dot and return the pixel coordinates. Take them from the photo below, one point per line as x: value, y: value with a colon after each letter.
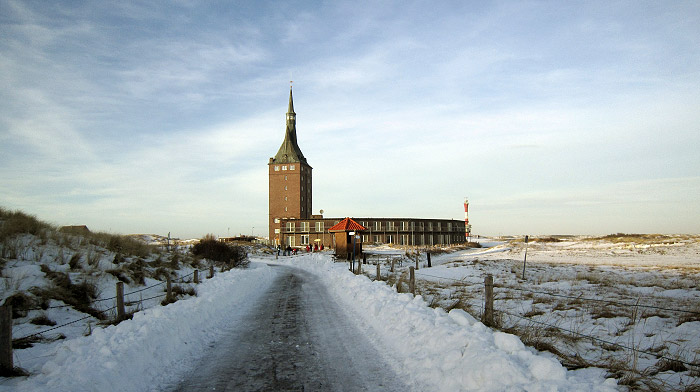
x: 347, y: 224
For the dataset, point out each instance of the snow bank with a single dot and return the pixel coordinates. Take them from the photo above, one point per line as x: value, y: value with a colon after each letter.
x: 447, y: 351
x: 155, y: 347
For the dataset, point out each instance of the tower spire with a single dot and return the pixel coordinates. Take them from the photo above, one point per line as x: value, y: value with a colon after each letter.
x: 290, y: 151
x: 291, y: 100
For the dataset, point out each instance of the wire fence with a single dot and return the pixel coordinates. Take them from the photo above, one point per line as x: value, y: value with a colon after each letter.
x: 180, y: 279
x: 641, y: 303
x: 599, y: 340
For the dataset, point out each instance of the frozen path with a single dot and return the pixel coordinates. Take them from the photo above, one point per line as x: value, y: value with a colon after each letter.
x: 295, y: 338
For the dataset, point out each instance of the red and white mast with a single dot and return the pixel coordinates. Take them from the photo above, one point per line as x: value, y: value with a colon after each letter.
x: 467, y: 226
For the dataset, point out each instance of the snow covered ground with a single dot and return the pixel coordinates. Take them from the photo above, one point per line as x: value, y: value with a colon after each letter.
x: 429, y: 347
x: 636, y: 296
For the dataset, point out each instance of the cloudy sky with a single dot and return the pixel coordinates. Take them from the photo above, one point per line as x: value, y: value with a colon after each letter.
x: 161, y: 116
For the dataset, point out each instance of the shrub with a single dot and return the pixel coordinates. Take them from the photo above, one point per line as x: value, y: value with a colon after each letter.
x: 228, y: 256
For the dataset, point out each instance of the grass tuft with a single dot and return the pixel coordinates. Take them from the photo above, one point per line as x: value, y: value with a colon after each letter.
x: 43, y: 320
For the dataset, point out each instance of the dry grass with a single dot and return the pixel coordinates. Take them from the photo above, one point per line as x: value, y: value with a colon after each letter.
x: 78, y: 295
x: 16, y: 222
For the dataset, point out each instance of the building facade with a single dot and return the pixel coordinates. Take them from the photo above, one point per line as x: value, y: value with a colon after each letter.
x: 290, y: 204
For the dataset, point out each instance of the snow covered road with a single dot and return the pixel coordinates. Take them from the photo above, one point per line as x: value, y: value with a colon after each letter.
x: 295, y: 338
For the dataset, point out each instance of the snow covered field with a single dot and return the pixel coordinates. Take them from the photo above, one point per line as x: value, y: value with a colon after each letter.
x: 636, y: 296
x: 428, y: 346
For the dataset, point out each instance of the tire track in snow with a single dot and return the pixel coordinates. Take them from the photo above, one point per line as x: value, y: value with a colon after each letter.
x: 296, y: 338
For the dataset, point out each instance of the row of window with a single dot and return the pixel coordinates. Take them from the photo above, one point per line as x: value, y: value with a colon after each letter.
x: 285, y: 167
x: 408, y: 226
x: 390, y: 226
x: 304, y: 227
x: 403, y: 239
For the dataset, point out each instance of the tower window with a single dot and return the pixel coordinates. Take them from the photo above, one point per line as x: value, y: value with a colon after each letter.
x: 291, y: 167
x: 285, y: 187
x: 277, y: 168
x: 284, y: 167
x: 285, y: 178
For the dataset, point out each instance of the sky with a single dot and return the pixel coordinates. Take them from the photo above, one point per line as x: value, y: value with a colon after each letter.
x: 161, y: 116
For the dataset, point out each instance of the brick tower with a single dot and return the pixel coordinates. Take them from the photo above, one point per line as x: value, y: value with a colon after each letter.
x: 289, y: 180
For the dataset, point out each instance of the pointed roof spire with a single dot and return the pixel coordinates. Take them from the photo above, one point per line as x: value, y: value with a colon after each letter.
x: 290, y: 152
x: 291, y: 100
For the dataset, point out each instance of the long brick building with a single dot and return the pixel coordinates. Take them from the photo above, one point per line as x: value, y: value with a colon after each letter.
x: 292, y: 223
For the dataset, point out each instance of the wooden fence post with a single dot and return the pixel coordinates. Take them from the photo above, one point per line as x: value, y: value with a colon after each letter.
x: 429, y: 264
x: 416, y: 263
x: 487, y: 318
x: 211, y: 271
x: 379, y: 275
x: 196, y: 276
x: 6, y: 364
x: 169, y: 292
x: 364, y: 258
x: 120, y: 301
x: 412, y: 281
x: 392, y: 265
x: 359, y: 267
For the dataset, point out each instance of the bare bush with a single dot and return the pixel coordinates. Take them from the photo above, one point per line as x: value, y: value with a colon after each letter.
x: 227, y: 256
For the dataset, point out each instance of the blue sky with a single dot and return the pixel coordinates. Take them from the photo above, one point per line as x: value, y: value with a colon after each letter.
x: 156, y: 117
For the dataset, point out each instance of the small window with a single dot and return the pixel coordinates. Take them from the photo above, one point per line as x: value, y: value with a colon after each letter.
x: 285, y: 187
x: 291, y: 167
x: 277, y: 168
x: 277, y: 220
x: 285, y: 198
x: 284, y: 167
x: 285, y: 178
x: 285, y: 209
